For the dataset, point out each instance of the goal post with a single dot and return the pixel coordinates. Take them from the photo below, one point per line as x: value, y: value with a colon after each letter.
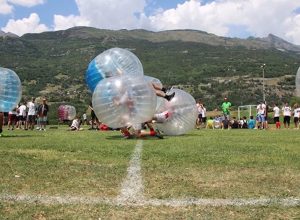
x: 246, y: 110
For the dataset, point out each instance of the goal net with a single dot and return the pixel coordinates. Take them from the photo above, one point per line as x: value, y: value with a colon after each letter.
x: 246, y: 110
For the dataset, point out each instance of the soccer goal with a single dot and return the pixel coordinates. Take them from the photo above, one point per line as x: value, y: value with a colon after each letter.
x: 246, y: 110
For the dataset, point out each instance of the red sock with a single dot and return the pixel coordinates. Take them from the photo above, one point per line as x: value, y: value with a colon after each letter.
x: 152, y: 132
x: 126, y: 133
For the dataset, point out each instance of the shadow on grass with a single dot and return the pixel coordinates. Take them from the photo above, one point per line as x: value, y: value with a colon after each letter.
x: 145, y: 138
x: 18, y: 136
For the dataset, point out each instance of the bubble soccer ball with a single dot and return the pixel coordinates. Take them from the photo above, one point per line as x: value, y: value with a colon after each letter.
x: 10, y: 90
x: 124, y: 101
x: 66, y: 112
x: 112, y: 62
x: 153, y: 80
x: 182, y: 113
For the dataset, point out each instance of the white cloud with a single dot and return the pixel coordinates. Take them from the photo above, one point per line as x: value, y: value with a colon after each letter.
x: 258, y: 17
x: 65, y: 22
x: 25, y: 25
x: 26, y: 3
x: 5, y: 8
x: 113, y: 14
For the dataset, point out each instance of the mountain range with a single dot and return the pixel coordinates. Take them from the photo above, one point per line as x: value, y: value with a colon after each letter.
x: 53, y: 64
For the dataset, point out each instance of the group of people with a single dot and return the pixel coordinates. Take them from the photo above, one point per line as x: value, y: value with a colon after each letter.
x: 225, y: 121
x: 26, y: 115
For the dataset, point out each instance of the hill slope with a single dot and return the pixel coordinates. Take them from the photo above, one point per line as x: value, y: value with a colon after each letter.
x: 53, y: 64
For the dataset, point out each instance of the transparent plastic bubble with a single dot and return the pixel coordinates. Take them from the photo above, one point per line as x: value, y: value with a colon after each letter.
x: 10, y: 90
x: 66, y: 112
x: 182, y: 113
x: 112, y: 62
x: 298, y: 83
x: 154, y: 81
x: 124, y: 101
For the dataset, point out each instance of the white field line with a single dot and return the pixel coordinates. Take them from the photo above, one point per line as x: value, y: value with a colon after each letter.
x: 132, y: 187
x: 74, y: 200
x: 132, y: 194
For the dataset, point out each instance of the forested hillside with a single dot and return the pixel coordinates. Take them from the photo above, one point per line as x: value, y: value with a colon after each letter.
x: 53, y: 64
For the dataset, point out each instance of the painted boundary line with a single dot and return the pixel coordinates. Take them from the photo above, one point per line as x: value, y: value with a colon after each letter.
x: 132, y: 188
x: 131, y: 194
x: 74, y: 200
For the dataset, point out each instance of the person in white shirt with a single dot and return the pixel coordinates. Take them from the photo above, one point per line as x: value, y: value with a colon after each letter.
x: 21, y: 115
x: 201, y: 115
x: 75, y: 126
x: 287, y: 112
x: 12, y: 119
x: 31, y: 114
x: 276, y: 111
x: 296, y: 115
x: 260, y: 117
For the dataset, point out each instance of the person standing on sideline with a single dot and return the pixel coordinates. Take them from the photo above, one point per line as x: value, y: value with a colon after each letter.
x: 31, y: 114
x: 43, y: 110
x: 276, y: 111
x: 22, y: 115
x: 287, y: 112
x: 296, y: 115
x: 84, y: 119
x: 261, y: 109
x: 226, y: 108
x: 1, y: 123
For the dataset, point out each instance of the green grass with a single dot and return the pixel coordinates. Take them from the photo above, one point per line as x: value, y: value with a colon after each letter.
x: 224, y: 164
x: 59, y: 162
x: 202, y: 164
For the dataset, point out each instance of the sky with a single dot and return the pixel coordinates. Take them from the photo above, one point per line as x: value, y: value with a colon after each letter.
x: 229, y: 18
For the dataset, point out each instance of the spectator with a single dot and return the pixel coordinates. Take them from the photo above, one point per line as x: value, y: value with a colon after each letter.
x: 75, y: 126
x: 1, y: 123
x: 296, y: 115
x: 84, y: 119
x: 12, y: 119
x: 287, y: 112
x: 225, y: 123
x: 43, y: 110
x: 276, y: 111
x: 22, y: 115
x: 31, y: 114
x: 260, y: 117
x: 234, y: 123
x: 244, y: 123
x: 210, y: 123
x: 251, y: 123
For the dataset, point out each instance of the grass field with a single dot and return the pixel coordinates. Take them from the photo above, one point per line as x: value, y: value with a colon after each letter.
x: 80, y: 175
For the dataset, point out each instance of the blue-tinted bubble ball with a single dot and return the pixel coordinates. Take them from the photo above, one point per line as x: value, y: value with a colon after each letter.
x: 112, y: 62
x: 10, y: 90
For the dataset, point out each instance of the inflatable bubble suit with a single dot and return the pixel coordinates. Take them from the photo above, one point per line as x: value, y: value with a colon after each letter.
x: 66, y: 112
x: 154, y: 81
x: 10, y: 90
x: 123, y: 101
x: 183, y: 113
x: 298, y: 83
x: 112, y: 62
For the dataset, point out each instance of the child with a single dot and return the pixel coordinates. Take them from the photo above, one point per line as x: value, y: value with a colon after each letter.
x: 75, y: 126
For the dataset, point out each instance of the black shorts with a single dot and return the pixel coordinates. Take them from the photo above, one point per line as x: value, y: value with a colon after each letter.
x: 31, y: 118
x: 296, y: 119
x: 200, y: 116
x: 287, y: 119
x: 21, y: 118
x: 204, y: 119
x: 276, y: 119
